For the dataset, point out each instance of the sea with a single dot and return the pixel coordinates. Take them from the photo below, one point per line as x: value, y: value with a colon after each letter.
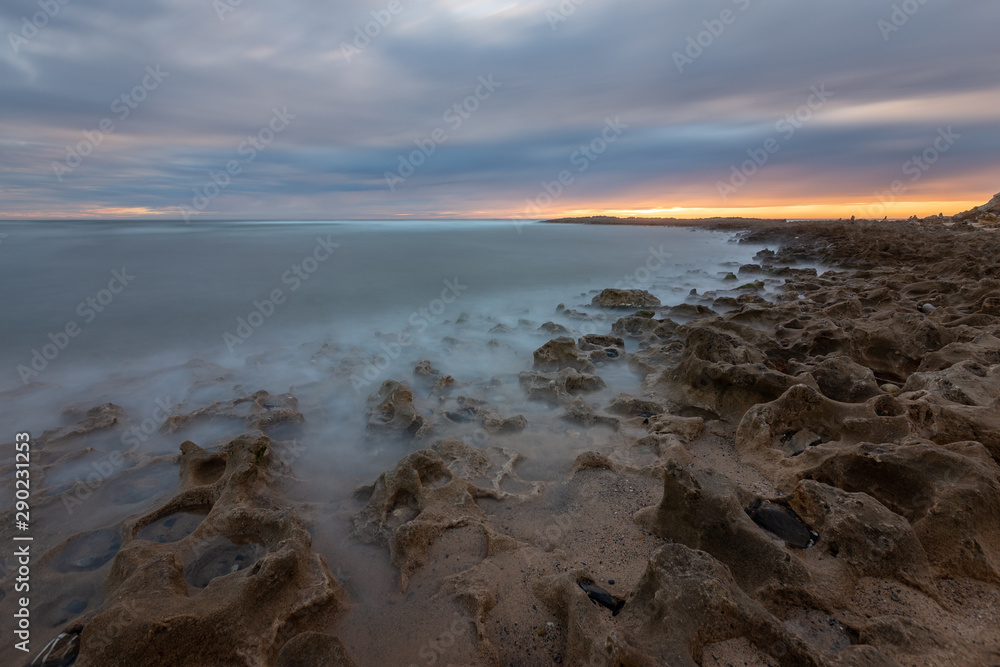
x: 165, y: 319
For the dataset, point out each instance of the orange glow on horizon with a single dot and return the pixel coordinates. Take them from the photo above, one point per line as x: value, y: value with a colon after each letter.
x: 871, y: 209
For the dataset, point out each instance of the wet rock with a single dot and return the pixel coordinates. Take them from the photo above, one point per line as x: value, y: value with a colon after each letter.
x: 137, y: 486
x: 782, y: 522
x: 173, y: 527
x: 494, y: 423
x: 258, y: 412
x: 391, y: 412
x: 584, y: 317
x: 578, y: 412
x: 553, y: 329
x: 431, y: 491
x: 630, y: 406
x: 688, y: 311
x: 217, y: 557
x: 241, y: 616
x: 558, y: 388
x: 61, y: 651
x: 462, y: 416
x: 686, y: 428
x: 426, y: 369
x: 625, y: 298
x: 603, y: 348
x: 87, y: 551
x: 100, y: 418
x: 561, y: 353
x: 724, y: 303
x: 443, y: 385
x: 640, y: 327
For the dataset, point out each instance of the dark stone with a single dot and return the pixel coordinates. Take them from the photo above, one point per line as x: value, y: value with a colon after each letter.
x: 783, y: 522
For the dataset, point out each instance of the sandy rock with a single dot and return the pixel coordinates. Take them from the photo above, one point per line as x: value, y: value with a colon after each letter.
x: 952, y: 499
x: 690, y: 311
x: 965, y: 383
x: 603, y: 348
x: 894, y: 347
x: 259, y: 412
x: 704, y: 510
x: 391, y: 412
x: 861, y: 532
x: 992, y: 207
x: 630, y: 406
x: 635, y: 326
x: 841, y: 379
x: 765, y: 316
x: 558, y: 388
x: 230, y: 609
x: 686, y: 428
x: 553, y: 329
x: 560, y: 353
x: 625, y: 298
x: 592, y: 461
x: 809, y: 338
x: 495, y: 423
x: 944, y: 422
x: 984, y: 349
x: 310, y: 649
x: 99, y: 418
x: 724, y: 370
x: 578, y: 412
x: 426, y: 369
x: 777, y: 425
x: 431, y: 491
x: 685, y: 601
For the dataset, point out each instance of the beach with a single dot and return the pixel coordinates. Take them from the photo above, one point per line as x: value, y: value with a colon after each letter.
x: 789, y: 458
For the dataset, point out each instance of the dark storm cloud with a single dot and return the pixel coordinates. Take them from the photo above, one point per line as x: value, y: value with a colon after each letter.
x: 563, y: 69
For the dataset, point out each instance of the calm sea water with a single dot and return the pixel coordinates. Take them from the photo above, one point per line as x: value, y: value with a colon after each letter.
x: 165, y: 318
x: 105, y: 311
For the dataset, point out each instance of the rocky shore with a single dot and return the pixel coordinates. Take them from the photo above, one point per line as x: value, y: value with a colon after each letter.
x: 810, y: 475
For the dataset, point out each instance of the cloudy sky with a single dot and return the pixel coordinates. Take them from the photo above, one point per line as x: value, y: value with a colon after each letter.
x: 304, y: 109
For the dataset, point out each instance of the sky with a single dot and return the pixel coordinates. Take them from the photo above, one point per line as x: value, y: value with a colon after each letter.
x: 223, y: 109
